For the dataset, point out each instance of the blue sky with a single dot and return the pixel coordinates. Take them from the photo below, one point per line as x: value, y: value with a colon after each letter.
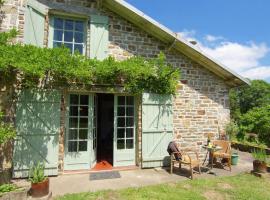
x: 234, y: 32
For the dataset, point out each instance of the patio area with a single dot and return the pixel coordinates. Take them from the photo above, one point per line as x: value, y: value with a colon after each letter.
x: 77, y: 183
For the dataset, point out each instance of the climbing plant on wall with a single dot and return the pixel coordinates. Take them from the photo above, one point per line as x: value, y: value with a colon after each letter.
x: 58, y: 67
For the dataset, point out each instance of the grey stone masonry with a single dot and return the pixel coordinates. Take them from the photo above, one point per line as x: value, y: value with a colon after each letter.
x: 201, y: 104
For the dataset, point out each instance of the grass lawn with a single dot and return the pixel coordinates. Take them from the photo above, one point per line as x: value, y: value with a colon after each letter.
x: 240, y: 187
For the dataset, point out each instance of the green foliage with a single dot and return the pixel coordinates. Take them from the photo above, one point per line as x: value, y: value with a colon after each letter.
x: 232, y: 129
x: 58, y: 67
x: 7, y: 188
x: 260, y: 155
x: 5, y: 37
x: 7, y: 132
x: 36, y: 173
x: 248, y: 97
x: 257, y: 120
x: 250, y: 110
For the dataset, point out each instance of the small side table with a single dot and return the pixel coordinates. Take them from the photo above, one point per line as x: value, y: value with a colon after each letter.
x: 209, y: 151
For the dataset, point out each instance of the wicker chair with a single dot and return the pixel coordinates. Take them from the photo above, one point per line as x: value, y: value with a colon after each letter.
x: 186, y: 160
x: 224, y: 153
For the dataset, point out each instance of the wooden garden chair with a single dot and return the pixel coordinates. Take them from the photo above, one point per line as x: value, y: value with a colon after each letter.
x: 224, y: 153
x: 186, y: 160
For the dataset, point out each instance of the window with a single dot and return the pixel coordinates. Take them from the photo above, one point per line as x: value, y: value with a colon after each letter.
x: 78, y: 123
x: 125, y: 122
x: 70, y: 33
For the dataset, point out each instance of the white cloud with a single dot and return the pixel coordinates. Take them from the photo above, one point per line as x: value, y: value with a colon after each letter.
x: 257, y: 72
x: 242, y: 58
x: 212, y: 38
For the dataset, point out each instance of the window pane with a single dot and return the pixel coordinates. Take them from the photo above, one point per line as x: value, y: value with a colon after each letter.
x: 79, y: 26
x: 73, y: 122
x: 73, y: 111
x: 74, y: 99
x: 121, y: 133
x: 130, y: 111
x: 79, y: 48
x: 68, y: 36
x: 84, y: 100
x: 129, y: 144
x: 83, y: 146
x: 121, y: 111
x: 69, y: 25
x: 120, y: 144
x: 129, y: 133
x: 121, y: 122
x: 83, y: 133
x: 58, y: 35
x: 78, y: 37
x: 73, y: 134
x: 69, y: 46
x: 57, y: 44
x: 72, y: 146
x: 83, y: 123
x: 121, y: 100
x: 130, y: 101
x: 58, y: 23
x: 84, y: 111
x: 129, y: 121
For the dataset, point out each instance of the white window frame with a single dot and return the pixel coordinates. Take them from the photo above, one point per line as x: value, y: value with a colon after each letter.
x: 51, y: 31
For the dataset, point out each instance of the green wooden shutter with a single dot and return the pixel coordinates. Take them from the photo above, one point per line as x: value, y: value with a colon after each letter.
x: 38, y: 127
x: 34, y: 27
x: 157, y: 129
x: 99, y: 37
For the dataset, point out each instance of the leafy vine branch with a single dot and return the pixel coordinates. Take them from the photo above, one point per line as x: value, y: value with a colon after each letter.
x: 58, y: 67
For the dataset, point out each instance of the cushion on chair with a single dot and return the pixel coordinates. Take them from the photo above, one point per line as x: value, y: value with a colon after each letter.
x: 221, y: 155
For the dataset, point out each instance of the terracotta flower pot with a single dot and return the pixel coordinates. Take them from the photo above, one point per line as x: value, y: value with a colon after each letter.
x: 40, y: 189
x: 259, y: 166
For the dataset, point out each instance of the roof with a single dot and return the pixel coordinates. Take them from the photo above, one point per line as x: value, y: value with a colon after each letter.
x: 172, y: 39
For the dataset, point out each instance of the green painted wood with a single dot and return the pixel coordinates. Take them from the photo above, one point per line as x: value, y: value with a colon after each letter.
x: 126, y: 156
x: 38, y: 127
x: 81, y: 160
x: 34, y: 27
x: 157, y: 129
x: 43, y: 9
x: 99, y: 37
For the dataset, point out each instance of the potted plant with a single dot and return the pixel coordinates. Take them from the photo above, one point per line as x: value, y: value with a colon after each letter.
x: 39, y: 182
x: 260, y: 159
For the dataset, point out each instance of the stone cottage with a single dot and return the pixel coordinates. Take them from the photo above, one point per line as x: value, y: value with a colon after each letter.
x: 75, y: 130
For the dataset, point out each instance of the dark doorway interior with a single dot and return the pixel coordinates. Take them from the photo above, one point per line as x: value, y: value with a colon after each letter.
x: 105, y: 130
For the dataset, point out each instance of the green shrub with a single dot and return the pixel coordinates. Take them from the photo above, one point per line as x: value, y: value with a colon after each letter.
x: 36, y: 173
x: 260, y: 155
x: 7, y: 188
x: 7, y: 132
x: 232, y: 129
x: 257, y: 120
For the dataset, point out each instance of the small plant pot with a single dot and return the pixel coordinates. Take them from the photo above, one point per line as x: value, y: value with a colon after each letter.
x: 234, y: 158
x: 259, y: 166
x: 40, y: 189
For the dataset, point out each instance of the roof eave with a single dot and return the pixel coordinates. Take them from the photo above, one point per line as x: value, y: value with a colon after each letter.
x: 167, y: 36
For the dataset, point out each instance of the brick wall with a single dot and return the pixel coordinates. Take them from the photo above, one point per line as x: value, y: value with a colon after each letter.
x: 201, y: 103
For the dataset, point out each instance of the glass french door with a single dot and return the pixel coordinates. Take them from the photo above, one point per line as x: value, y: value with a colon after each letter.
x: 80, y: 140
x: 124, y: 131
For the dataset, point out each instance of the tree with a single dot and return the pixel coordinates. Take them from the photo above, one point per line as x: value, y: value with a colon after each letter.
x: 248, y: 97
x: 250, y: 108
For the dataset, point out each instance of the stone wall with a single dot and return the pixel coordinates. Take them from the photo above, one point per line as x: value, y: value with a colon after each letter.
x: 201, y: 103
